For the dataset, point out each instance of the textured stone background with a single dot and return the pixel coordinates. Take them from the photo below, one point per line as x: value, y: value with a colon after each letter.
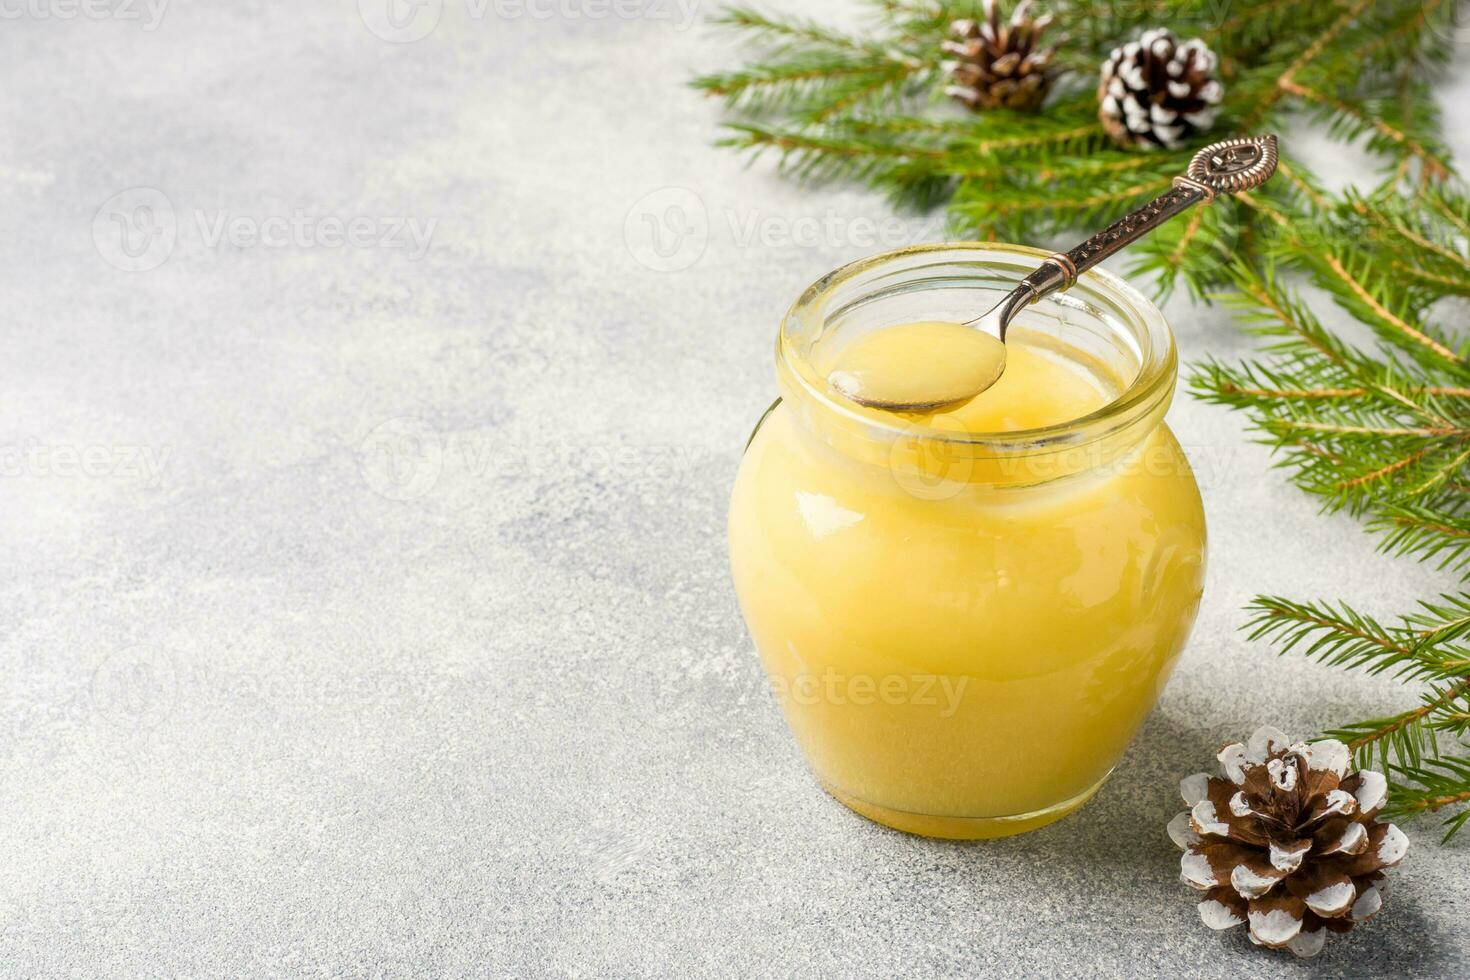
x: 366, y: 611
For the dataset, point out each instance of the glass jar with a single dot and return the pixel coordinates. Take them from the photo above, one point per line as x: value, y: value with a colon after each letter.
x: 965, y: 629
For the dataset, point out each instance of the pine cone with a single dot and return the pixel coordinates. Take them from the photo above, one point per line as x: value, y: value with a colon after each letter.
x: 1287, y: 841
x: 1158, y: 92
x: 999, y: 65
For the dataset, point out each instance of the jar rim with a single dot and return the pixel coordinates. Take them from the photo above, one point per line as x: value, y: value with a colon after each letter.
x: 1142, y: 397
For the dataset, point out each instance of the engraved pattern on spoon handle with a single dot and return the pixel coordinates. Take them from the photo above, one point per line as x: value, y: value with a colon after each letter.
x: 1227, y: 167
x: 1133, y: 226
x: 1061, y: 270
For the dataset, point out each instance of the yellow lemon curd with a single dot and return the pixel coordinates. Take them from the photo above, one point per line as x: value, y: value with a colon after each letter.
x: 964, y: 641
x: 898, y: 366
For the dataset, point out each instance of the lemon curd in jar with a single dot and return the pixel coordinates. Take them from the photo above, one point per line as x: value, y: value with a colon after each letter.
x: 967, y: 614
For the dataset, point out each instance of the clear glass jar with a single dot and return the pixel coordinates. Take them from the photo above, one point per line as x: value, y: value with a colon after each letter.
x: 965, y: 629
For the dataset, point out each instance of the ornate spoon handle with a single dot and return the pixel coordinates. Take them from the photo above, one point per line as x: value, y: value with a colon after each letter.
x: 1221, y: 168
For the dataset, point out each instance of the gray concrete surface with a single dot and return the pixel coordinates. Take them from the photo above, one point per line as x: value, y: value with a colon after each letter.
x: 365, y: 468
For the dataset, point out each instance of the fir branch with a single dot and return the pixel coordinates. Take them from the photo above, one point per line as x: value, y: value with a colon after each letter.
x: 1320, y: 43
x: 1405, y: 737
x: 1339, y: 637
x: 1441, y: 622
x: 1425, y: 534
x: 815, y: 84
x: 1393, y: 221
x: 1356, y: 290
x: 792, y: 32
x: 1451, y: 208
x: 1441, y: 782
x: 810, y: 73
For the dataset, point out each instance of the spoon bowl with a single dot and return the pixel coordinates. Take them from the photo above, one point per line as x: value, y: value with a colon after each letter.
x: 919, y: 367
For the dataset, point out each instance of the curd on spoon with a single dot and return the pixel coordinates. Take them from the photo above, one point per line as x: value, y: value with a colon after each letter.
x: 917, y: 367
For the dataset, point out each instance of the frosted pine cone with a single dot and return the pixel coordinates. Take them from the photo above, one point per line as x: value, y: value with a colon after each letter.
x: 1158, y: 92
x: 1000, y: 65
x: 1287, y: 841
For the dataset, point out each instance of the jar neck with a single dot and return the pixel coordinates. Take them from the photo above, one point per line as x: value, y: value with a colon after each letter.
x: 925, y: 454
x: 1101, y: 327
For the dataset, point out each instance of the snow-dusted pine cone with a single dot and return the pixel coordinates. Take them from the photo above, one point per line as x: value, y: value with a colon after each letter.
x: 1287, y: 841
x: 1158, y: 92
x: 995, y: 65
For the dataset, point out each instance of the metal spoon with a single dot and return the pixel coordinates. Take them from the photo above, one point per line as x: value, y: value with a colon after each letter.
x: 1226, y: 167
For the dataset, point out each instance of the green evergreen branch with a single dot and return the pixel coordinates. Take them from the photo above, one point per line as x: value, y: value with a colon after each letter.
x: 793, y: 32
x: 1441, y: 623
x: 1404, y: 738
x: 1382, y: 433
x: 1441, y: 782
x: 1340, y: 637
x: 1426, y: 534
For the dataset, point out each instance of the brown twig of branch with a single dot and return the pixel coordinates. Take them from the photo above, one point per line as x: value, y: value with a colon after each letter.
x: 1406, y: 719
